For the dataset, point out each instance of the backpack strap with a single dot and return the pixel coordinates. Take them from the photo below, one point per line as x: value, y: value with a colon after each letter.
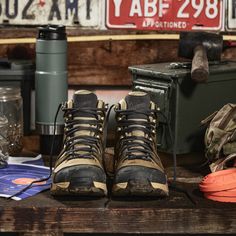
x: 208, y: 119
x: 215, y: 139
x: 221, y: 164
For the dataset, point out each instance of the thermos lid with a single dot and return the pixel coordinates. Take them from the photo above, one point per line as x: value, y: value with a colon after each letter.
x: 52, y: 32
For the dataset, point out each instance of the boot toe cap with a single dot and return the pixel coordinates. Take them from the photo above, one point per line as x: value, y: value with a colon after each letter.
x: 140, y: 181
x: 80, y: 180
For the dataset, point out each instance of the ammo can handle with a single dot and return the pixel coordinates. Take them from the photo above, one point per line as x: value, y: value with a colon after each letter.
x: 200, y: 67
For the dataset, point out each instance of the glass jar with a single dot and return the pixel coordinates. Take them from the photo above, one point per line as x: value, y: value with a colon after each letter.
x: 11, y: 120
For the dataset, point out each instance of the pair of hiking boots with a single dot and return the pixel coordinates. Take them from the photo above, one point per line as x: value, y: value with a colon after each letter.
x: 80, y: 170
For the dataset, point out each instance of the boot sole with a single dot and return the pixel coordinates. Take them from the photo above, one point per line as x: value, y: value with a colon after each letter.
x: 138, y: 189
x: 95, y: 189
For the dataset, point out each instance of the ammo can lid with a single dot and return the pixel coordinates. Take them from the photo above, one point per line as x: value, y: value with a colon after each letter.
x: 181, y: 70
x: 52, y: 32
x: 16, y: 68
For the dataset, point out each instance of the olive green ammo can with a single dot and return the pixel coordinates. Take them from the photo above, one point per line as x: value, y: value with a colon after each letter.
x: 184, y: 103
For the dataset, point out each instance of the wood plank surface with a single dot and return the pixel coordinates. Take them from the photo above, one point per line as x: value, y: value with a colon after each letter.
x: 101, y: 63
x: 175, y: 214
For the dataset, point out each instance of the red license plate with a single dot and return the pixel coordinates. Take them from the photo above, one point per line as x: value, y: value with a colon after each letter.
x: 165, y: 15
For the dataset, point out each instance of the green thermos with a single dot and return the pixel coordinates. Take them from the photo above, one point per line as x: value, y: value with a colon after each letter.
x: 51, y: 87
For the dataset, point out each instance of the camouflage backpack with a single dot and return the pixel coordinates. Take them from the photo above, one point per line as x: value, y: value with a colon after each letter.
x: 220, y: 138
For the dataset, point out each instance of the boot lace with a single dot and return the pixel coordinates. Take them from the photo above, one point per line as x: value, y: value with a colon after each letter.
x: 136, y: 146
x: 83, y: 135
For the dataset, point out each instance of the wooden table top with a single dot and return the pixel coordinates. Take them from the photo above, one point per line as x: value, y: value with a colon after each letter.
x: 176, y: 214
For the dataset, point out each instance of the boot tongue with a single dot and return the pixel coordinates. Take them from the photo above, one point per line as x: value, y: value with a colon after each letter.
x: 85, y: 99
x: 138, y: 101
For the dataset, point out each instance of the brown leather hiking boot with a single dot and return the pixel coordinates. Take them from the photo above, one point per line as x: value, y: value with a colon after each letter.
x: 79, y: 169
x: 138, y: 168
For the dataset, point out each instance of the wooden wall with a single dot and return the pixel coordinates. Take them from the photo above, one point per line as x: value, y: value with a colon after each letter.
x: 100, y: 63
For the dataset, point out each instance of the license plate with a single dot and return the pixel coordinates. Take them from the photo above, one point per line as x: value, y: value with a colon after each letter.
x: 169, y: 15
x: 231, y: 15
x: 85, y: 13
